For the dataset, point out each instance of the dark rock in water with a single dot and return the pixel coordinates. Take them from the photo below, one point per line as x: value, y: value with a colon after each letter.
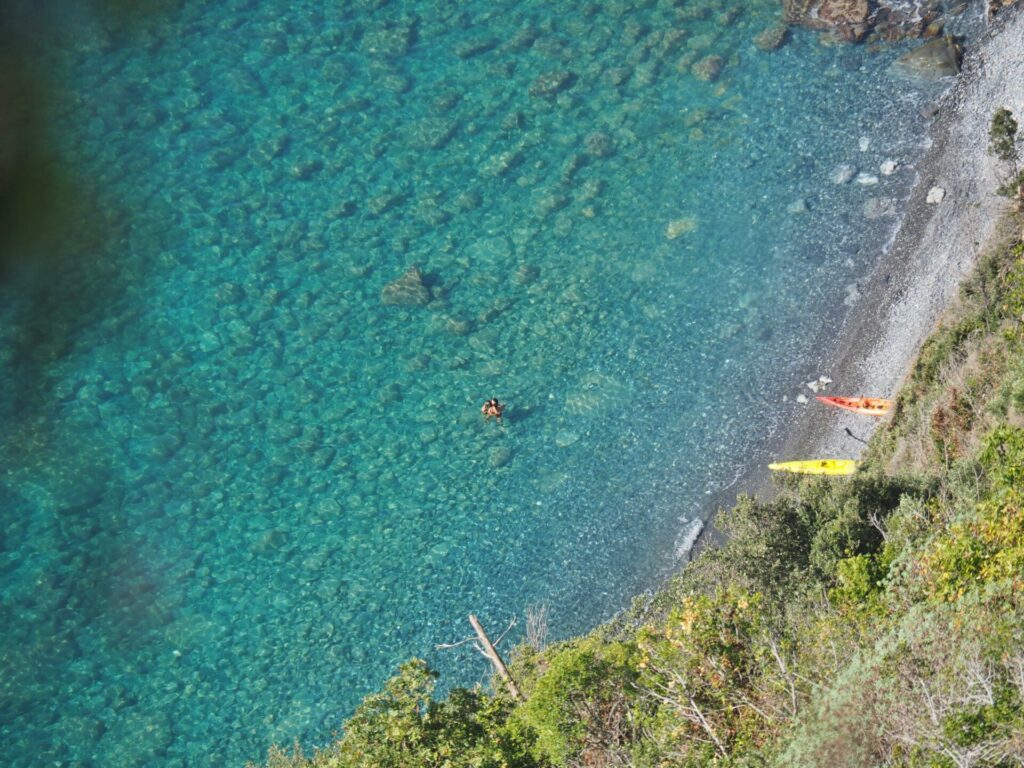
x: 599, y: 144
x: 523, y: 39
x: 445, y: 99
x: 772, y: 38
x: 499, y: 457
x: 383, y: 203
x: 407, y: 291
x: 552, y: 83
x: 304, y: 170
x: 526, y: 274
x: 433, y: 132
x: 934, y: 60
x: 343, y: 210
x: 729, y: 16
x: 618, y: 75
x: 469, y: 48
x: 850, y: 19
x: 708, y: 69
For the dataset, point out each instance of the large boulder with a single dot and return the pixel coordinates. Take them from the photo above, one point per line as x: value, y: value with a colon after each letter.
x: 935, y: 59
x: 850, y: 19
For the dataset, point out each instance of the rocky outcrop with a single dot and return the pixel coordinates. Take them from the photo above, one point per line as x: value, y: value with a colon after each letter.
x: 850, y: 19
x: 853, y: 20
x: 994, y: 6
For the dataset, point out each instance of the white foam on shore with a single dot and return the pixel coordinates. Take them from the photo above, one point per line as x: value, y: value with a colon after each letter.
x: 687, y: 538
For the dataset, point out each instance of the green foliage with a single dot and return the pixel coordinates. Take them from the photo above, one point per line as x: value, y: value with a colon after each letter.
x: 1002, y: 135
x: 582, y: 702
x: 704, y: 667
x: 404, y: 726
x: 767, y: 550
x: 780, y: 548
x: 986, y: 545
x: 1014, y: 183
x: 860, y: 581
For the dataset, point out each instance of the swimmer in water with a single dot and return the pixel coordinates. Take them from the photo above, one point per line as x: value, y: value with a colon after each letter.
x: 492, y: 409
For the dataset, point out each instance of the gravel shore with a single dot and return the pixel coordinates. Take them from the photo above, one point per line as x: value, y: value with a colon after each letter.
x: 936, y: 247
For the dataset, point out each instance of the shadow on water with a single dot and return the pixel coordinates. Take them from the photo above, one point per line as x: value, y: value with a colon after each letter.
x: 68, y: 568
x: 59, y: 264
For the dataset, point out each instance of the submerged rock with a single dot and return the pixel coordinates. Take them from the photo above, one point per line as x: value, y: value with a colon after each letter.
x: 526, y: 274
x: 564, y: 438
x: 407, y: 291
x: 879, y: 207
x: 470, y: 48
x: 889, y: 167
x: 772, y: 38
x: 708, y: 69
x: 932, y: 61
x: 552, y: 83
x: 678, y: 227
x: 499, y: 457
x: 843, y: 174
x: 599, y: 144
x: 798, y: 206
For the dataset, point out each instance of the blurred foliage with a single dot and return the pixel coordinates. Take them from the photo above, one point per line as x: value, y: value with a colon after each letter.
x: 404, y: 726
x: 61, y: 258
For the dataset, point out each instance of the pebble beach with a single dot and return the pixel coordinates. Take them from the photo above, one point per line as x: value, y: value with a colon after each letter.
x: 952, y: 217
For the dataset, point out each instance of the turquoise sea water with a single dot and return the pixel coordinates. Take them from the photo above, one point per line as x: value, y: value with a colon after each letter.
x: 238, y: 488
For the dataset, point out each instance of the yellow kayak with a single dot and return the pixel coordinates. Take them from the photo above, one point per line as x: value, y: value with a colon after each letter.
x: 817, y: 467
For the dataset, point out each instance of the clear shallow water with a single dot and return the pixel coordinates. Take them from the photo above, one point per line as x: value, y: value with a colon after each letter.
x: 238, y: 489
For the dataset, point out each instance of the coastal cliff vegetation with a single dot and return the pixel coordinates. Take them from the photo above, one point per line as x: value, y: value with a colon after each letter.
x: 872, y: 621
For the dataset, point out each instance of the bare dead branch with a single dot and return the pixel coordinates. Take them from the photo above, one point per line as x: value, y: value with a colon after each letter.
x: 446, y: 646
x: 511, y: 624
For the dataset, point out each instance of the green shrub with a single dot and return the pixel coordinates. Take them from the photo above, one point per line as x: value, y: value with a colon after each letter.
x: 766, y: 551
x: 404, y: 726
x: 581, y: 705
x: 986, y: 544
x: 705, y: 667
x: 1002, y: 134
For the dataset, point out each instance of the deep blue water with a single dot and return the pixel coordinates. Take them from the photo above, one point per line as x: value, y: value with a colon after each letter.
x: 237, y: 488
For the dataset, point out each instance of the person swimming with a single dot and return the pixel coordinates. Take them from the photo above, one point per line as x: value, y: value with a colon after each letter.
x: 492, y: 409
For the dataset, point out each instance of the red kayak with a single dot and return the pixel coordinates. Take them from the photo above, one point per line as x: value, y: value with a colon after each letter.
x: 872, y: 406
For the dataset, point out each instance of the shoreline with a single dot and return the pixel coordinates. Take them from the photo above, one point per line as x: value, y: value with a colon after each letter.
x: 919, y: 275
